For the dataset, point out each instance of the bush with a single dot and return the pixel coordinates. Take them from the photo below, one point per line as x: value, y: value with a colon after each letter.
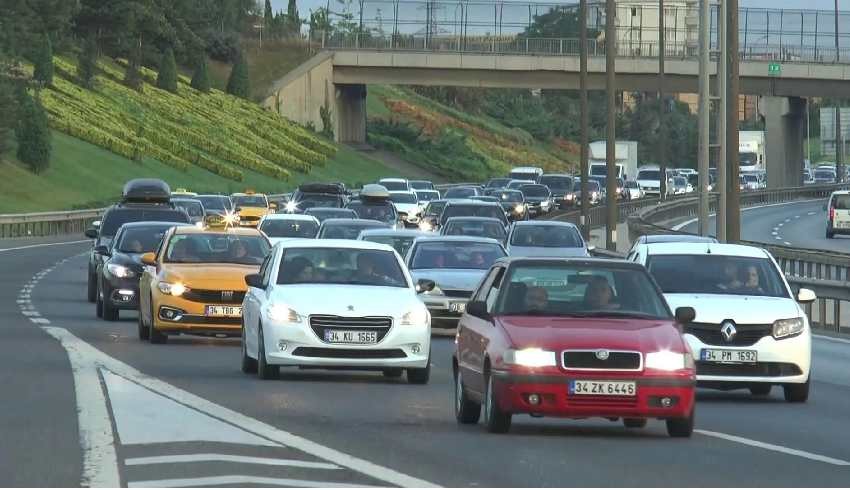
x: 201, y: 77
x: 167, y: 78
x: 87, y: 62
x: 223, y: 47
x: 33, y: 135
x: 133, y: 75
x: 239, y: 84
x: 43, y: 62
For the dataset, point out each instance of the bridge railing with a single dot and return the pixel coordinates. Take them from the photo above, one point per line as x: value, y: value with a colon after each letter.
x: 47, y: 224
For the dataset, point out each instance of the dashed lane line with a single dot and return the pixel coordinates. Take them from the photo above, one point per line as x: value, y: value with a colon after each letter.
x: 774, y: 447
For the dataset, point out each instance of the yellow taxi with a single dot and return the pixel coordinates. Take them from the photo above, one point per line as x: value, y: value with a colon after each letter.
x: 251, y: 207
x: 181, y: 192
x: 195, y: 283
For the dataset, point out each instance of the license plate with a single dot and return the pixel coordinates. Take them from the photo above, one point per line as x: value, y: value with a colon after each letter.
x: 842, y: 224
x: 603, y: 388
x: 351, y: 337
x: 457, y: 307
x: 223, y: 311
x: 731, y: 356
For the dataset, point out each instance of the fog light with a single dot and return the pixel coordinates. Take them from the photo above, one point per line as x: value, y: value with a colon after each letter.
x: 170, y: 314
x: 666, y: 402
x: 416, y: 348
x: 281, y: 345
x: 534, y: 399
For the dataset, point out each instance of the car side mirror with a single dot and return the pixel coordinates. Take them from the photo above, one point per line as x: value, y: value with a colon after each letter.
x: 806, y: 296
x: 149, y: 259
x: 477, y: 309
x: 273, y: 206
x: 425, y: 285
x: 91, y: 233
x: 96, y: 224
x: 591, y: 248
x: 254, y: 281
x: 685, y: 314
x: 102, y: 250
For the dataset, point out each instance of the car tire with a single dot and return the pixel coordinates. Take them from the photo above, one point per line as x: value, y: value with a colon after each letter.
x: 495, y: 420
x: 98, y: 304
x: 683, y: 427
x: 761, y: 389
x: 154, y: 335
x: 797, y: 392
x: 110, y: 313
x: 92, y: 288
x: 393, y: 373
x: 419, y: 376
x: 634, y: 423
x: 144, y: 333
x: 249, y: 365
x: 264, y: 369
x: 830, y: 234
x: 467, y: 411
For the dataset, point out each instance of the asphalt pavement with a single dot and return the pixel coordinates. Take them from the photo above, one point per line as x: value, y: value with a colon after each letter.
x: 85, y: 402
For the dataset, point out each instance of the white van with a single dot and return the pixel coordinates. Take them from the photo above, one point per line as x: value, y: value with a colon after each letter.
x: 838, y: 214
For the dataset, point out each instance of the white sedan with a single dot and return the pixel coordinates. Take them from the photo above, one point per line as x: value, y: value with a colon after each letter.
x: 335, y: 304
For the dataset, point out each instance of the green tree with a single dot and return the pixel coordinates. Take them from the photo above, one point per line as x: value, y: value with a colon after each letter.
x: 133, y: 74
x: 293, y: 20
x: 268, y: 18
x: 167, y: 77
x: 33, y: 134
x: 8, y: 110
x: 43, y: 62
x: 87, y: 62
x: 558, y: 22
x: 239, y: 83
x: 201, y: 77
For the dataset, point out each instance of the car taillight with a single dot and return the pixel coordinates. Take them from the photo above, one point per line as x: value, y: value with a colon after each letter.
x: 831, y: 213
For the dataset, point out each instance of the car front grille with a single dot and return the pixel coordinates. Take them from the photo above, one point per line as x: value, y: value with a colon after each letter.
x: 709, y: 333
x: 758, y: 369
x: 457, y: 293
x: 210, y: 296
x: 347, y: 353
x: 590, y: 360
x: 379, y: 324
x: 211, y: 320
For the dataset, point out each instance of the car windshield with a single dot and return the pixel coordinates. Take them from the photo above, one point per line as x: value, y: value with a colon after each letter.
x: 455, y: 255
x: 518, y: 183
x: 141, y: 239
x: 748, y: 159
x: 630, y: 184
x: 341, y: 266
x: 214, y: 248
x: 289, y: 228
x: 824, y: 174
x: 114, y: 218
x: 592, y: 185
x: 250, y: 201
x: 560, y: 183
x: 649, y: 175
x: 318, y: 201
x: 381, y: 211
x: 496, y: 183
x: 426, y: 195
x: 580, y: 291
x: 534, y: 190
x: 394, y: 185
x: 680, y: 181
x: 435, y: 208
x: 215, y: 203
x: 510, y: 196
x: 717, y: 274
x: 401, y: 244
x: 421, y: 185
x: 523, y: 175
x: 483, y: 211
x: 345, y: 231
x: 460, y: 192
x: 546, y: 236
x: 486, y: 229
x: 403, y: 198
x: 841, y: 201
x: 323, y: 214
x: 193, y: 208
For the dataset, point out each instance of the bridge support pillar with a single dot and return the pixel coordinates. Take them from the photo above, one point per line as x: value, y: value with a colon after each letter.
x: 784, y: 124
x: 351, y: 113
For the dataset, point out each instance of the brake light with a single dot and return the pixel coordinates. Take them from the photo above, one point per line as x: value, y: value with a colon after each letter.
x: 831, y: 213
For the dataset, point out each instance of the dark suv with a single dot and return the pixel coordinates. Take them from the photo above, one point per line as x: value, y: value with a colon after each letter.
x: 143, y: 200
x: 317, y: 196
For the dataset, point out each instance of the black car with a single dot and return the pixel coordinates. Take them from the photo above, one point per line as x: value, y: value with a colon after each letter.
x: 193, y: 207
x: 322, y: 214
x: 538, y: 199
x: 118, y: 276
x: 561, y: 186
x: 513, y: 202
x: 144, y: 200
x: 462, y: 192
x: 469, y: 207
x: 317, y: 196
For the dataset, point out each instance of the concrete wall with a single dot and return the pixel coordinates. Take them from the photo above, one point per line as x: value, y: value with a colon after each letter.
x: 784, y: 119
x: 301, y: 94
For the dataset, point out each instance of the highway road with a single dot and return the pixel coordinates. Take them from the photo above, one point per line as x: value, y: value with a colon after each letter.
x: 101, y: 408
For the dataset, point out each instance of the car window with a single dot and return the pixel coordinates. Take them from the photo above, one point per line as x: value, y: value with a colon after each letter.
x: 649, y: 175
x: 394, y: 185
x: 534, y: 190
x: 562, y: 183
x: 324, y: 214
x: 193, y: 208
x: 489, y: 211
x: 493, y: 289
x: 138, y: 240
x: 289, y: 228
x: 250, y: 201
x: 216, y: 203
x: 475, y: 228
x: 404, y: 198
x: 264, y: 269
x: 381, y: 211
x: 345, y: 231
x: 341, y: 266
x: 206, y: 248
x: 546, y: 236
x: 455, y: 255
x: 401, y: 244
x: 460, y: 192
x: 717, y: 274
x: 841, y: 201
x: 318, y: 201
x: 114, y: 218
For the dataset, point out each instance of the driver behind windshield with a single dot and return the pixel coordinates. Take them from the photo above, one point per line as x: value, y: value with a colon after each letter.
x: 598, y: 295
x: 536, y: 299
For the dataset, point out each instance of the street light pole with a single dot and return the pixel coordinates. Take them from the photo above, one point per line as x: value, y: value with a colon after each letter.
x: 585, y: 121
x: 733, y: 191
x: 722, y: 81
x: 662, y: 107
x: 611, y: 140
x: 703, y: 117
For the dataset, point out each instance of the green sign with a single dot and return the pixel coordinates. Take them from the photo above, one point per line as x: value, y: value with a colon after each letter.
x: 774, y: 69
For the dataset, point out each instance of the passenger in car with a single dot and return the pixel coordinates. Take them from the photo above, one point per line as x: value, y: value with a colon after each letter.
x: 536, y: 299
x: 752, y: 283
x: 598, y: 295
x: 731, y: 277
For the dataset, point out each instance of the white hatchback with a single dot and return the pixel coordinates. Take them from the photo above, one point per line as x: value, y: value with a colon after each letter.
x: 750, y: 330
x: 335, y: 304
x: 838, y: 214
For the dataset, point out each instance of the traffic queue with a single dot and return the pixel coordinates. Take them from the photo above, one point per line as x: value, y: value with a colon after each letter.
x: 331, y: 278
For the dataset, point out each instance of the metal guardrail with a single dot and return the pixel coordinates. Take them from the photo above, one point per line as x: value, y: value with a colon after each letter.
x: 47, y: 224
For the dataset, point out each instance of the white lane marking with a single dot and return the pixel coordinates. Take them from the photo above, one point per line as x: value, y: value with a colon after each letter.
x: 778, y: 237
x: 27, y: 247
x: 811, y: 213
x: 227, y: 458
x: 30, y: 313
x: 797, y: 217
x: 787, y: 243
x: 774, y: 447
x: 774, y: 232
x: 40, y: 321
x: 831, y: 339
x: 779, y: 225
x: 694, y: 220
x: 239, y: 480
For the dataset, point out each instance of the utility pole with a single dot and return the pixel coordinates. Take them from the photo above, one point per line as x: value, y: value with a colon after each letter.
x: 703, y: 112
x: 839, y: 145
x: 585, y: 121
x: 662, y: 107
x: 722, y: 80
x: 733, y: 191
x: 611, y: 140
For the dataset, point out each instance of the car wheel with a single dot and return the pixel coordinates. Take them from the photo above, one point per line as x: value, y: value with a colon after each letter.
x: 393, y: 372
x: 110, y: 313
x: 830, y: 234
x: 797, y: 392
x: 495, y: 419
x: 249, y: 366
x: 681, y: 427
x: 419, y: 376
x: 264, y: 369
x: 467, y: 411
x: 98, y: 304
x: 634, y: 423
x: 156, y: 337
x: 92, y: 288
x: 144, y: 333
x: 761, y: 389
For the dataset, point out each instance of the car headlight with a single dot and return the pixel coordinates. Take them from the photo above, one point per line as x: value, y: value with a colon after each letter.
x: 282, y: 313
x: 594, y: 194
x: 544, y: 203
x: 787, y: 327
x: 172, y: 288
x: 119, y: 271
x: 531, y: 357
x: 519, y: 208
x: 426, y: 226
x: 666, y: 360
x: 570, y: 197
x: 291, y: 207
x: 415, y: 317
x: 435, y: 292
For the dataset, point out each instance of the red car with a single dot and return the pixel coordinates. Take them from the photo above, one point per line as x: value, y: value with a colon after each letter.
x: 573, y: 338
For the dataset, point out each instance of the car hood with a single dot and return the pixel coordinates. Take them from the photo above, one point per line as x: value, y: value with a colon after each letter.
x: 210, y: 276
x: 275, y: 240
x: 715, y: 308
x: 131, y: 260
x: 557, y: 333
x: 253, y: 212
x: 515, y: 251
x: 649, y: 183
x: 462, y: 279
x: 346, y: 300
x: 407, y: 208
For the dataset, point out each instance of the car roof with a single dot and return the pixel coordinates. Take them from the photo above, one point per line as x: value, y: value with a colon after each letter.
x: 555, y: 175
x: 185, y: 199
x: 233, y: 230
x: 289, y: 217
x: 471, y: 202
x: 473, y: 218
x: 842, y: 192
x: 676, y: 239
x: 589, y: 261
x: 393, y: 179
x: 391, y: 232
x: 318, y: 208
x: 334, y: 243
x: 563, y: 224
x: 145, y: 224
x: 725, y: 249
x: 520, y: 169
x: 350, y: 221
x: 456, y: 238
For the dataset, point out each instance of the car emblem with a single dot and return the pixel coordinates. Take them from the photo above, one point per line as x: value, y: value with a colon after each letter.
x: 227, y: 295
x: 350, y: 308
x: 728, y: 331
x: 602, y: 354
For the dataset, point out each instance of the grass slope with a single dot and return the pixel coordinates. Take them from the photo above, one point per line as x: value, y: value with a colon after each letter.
x: 266, y: 64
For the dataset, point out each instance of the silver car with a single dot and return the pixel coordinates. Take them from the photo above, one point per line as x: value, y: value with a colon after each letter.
x: 456, y: 264
x: 545, y: 239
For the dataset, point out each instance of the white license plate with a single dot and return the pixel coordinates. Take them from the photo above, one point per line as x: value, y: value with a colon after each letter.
x: 732, y: 356
x: 457, y: 307
x: 223, y: 311
x: 603, y: 388
x: 842, y: 224
x: 351, y: 337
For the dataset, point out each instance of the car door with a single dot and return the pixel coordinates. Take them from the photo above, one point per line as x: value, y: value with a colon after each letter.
x: 255, y: 299
x: 473, y: 333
